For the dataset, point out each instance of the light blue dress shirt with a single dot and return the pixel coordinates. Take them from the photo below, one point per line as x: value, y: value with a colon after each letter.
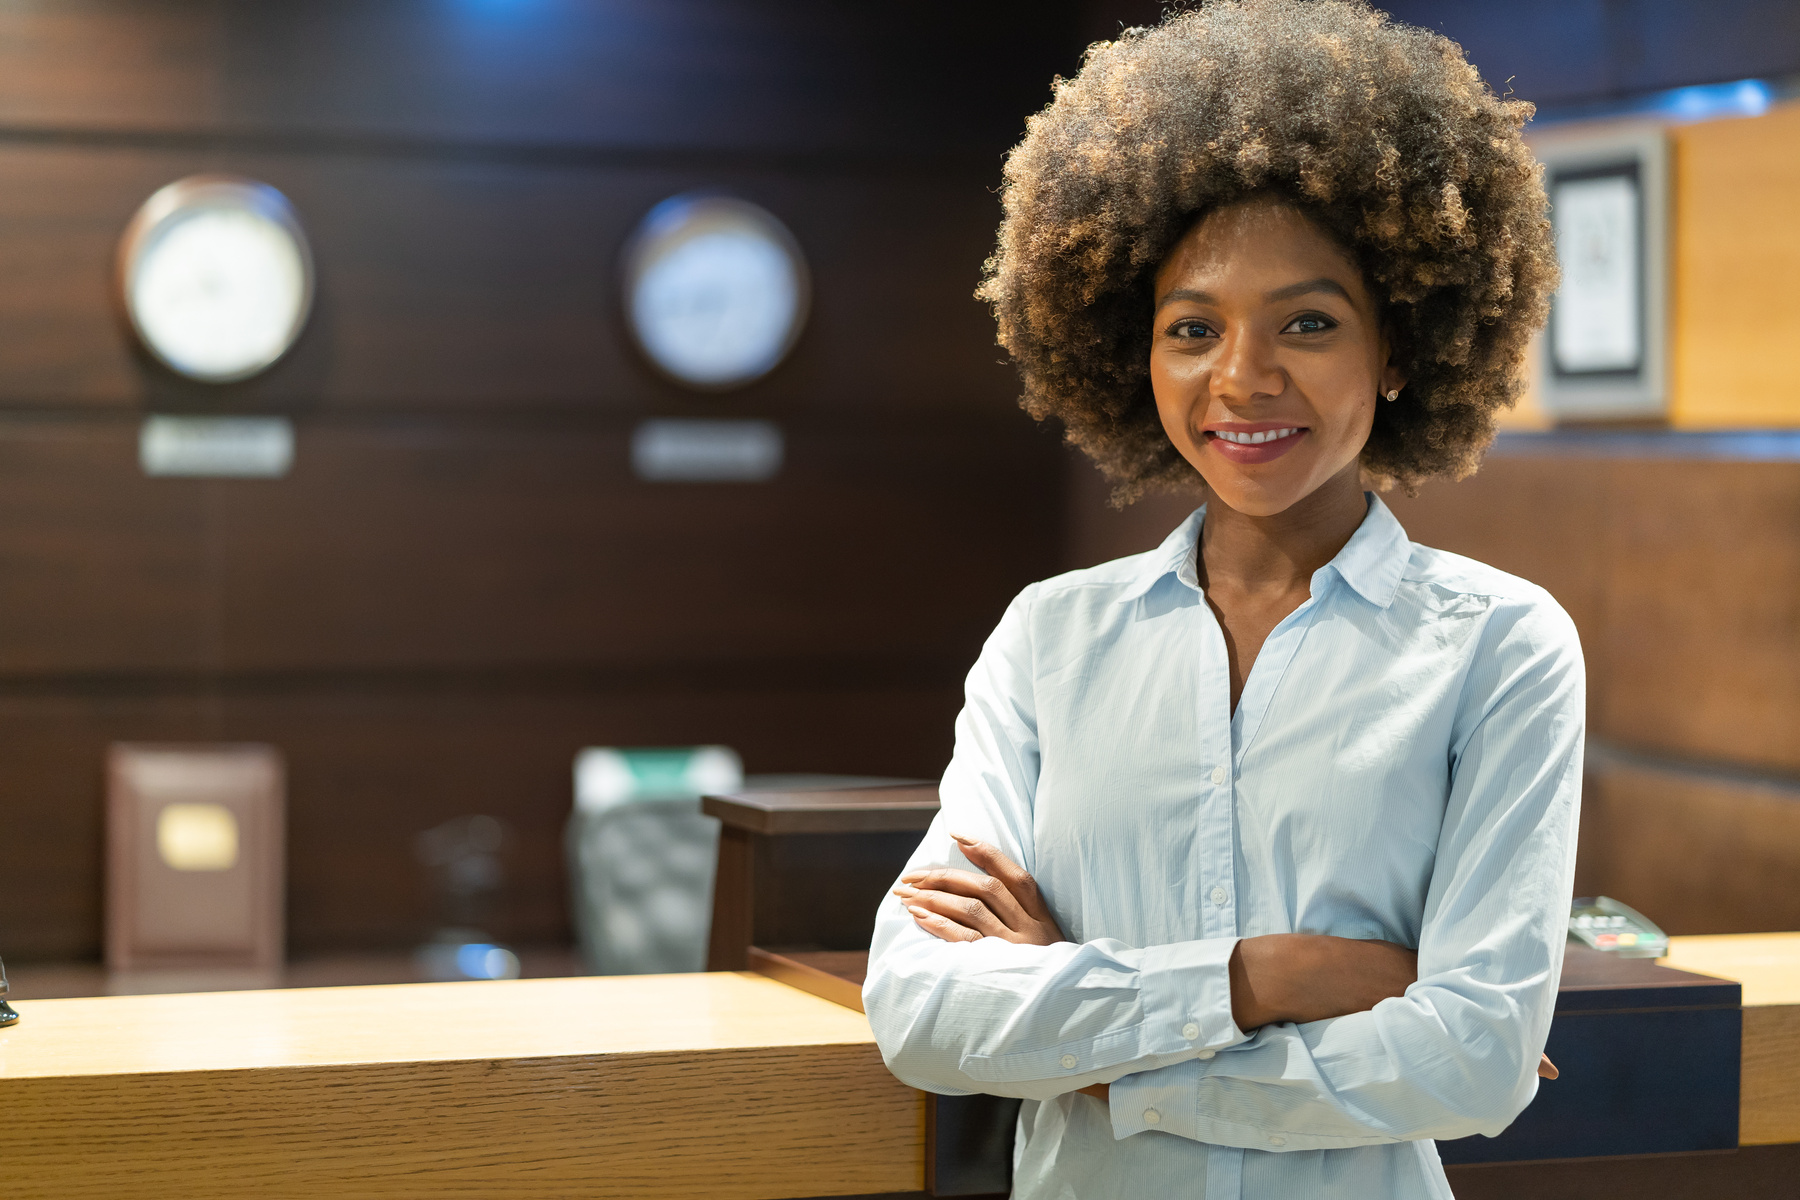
x: 1404, y: 763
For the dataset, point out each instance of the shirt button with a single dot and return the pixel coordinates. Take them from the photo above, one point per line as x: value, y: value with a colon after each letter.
x: 1068, y: 1062
x: 1151, y: 1116
x: 1207, y: 1054
x: 1275, y: 1139
x: 1220, y: 895
x: 1219, y: 776
x: 1190, y: 1031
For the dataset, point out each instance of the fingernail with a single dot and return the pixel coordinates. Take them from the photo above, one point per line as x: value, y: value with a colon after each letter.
x: 962, y: 839
x: 903, y: 890
x: 918, y: 912
x: 912, y: 877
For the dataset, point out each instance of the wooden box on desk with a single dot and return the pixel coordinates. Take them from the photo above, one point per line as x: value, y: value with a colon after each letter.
x: 800, y: 876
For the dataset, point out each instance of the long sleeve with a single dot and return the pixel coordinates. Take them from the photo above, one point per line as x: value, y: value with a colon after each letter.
x: 1456, y: 1055
x: 1029, y: 1021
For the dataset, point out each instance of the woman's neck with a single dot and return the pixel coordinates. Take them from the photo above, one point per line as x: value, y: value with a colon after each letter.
x: 1279, y: 553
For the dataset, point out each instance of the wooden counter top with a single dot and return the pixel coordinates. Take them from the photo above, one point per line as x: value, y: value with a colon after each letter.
x: 1768, y: 965
x: 726, y: 1085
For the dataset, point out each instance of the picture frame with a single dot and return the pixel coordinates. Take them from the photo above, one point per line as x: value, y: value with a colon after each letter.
x: 1604, y: 353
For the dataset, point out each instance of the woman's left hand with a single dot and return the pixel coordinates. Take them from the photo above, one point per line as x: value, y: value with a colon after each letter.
x: 964, y: 906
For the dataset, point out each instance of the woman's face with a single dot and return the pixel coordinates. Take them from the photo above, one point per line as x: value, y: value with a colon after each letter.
x: 1268, y: 356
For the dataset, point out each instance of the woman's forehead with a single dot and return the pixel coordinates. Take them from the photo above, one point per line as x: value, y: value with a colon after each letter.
x: 1263, y: 243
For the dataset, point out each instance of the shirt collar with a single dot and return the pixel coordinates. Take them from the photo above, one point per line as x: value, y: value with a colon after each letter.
x: 1372, y: 562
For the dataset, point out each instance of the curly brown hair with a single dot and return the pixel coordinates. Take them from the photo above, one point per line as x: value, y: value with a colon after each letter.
x: 1382, y: 133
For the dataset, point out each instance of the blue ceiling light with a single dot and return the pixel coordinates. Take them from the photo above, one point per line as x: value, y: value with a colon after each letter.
x: 1703, y: 102
x: 1745, y: 98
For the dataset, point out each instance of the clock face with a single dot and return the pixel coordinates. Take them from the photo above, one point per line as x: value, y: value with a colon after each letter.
x: 716, y: 290
x: 217, y: 277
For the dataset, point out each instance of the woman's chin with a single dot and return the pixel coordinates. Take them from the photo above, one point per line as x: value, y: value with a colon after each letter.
x: 1258, y: 496
x: 1272, y: 488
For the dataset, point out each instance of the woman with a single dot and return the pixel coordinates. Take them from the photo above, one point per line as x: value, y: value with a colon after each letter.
x: 1255, y: 854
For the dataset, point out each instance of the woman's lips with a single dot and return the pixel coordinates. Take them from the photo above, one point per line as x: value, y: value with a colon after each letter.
x: 1256, y: 452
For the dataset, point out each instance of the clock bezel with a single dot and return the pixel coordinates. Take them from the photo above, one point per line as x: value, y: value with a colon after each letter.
x: 671, y: 220
x: 175, y: 200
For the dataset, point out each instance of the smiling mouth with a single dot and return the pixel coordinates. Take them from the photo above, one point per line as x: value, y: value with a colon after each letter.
x: 1255, y: 439
x: 1248, y: 447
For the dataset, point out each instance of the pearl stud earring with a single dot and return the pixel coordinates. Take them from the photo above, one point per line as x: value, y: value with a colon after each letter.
x: 1394, y: 395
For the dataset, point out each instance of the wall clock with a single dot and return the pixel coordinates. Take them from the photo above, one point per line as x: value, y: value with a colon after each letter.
x: 716, y: 290
x: 216, y: 277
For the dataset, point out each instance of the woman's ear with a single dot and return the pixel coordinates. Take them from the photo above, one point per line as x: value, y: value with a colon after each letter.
x: 1390, y: 378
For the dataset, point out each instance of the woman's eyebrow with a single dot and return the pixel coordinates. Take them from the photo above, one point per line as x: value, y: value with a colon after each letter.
x: 1305, y: 287
x: 1322, y: 284
x: 1187, y: 295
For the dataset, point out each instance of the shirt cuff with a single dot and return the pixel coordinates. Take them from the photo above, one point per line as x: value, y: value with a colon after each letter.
x: 1167, y: 1100
x: 1185, y: 990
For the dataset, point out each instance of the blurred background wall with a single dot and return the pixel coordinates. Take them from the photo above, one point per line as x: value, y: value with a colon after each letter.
x: 461, y: 583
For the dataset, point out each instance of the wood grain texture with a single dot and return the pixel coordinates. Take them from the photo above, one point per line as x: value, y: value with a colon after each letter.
x: 470, y: 544
x: 729, y: 1086
x: 1736, y: 249
x: 1695, y: 853
x: 1702, y: 612
x: 1771, y: 1079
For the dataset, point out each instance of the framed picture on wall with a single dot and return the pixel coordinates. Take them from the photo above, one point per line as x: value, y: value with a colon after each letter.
x: 1605, y: 348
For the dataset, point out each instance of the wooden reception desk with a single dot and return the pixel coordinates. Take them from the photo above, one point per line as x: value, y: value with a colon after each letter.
x: 719, y: 1085
x: 724, y: 1084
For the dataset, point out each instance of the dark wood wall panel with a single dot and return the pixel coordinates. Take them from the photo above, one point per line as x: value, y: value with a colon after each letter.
x: 461, y: 583
x: 432, y: 545
x: 1682, y: 575
x: 1703, y: 611
x: 101, y: 569
x: 371, y: 766
x: 714, y: 75
x: 1694, y: 852
x: 444, y: 283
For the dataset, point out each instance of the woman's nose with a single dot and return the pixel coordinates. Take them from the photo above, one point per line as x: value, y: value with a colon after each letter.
x: 1246, y: 367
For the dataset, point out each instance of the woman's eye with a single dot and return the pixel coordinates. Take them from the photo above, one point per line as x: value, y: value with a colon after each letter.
x: 1310, y: 323
x: 1190, y: 329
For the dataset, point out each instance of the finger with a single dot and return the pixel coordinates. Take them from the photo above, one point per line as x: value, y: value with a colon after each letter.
x: 969, y: 912
x: 1546, y: 1068
x: 986, y: 888
x: 1016, y: 879
x: 941, y: 927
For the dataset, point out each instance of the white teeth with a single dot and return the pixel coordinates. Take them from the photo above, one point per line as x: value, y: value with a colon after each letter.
x: 1256, y: 439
